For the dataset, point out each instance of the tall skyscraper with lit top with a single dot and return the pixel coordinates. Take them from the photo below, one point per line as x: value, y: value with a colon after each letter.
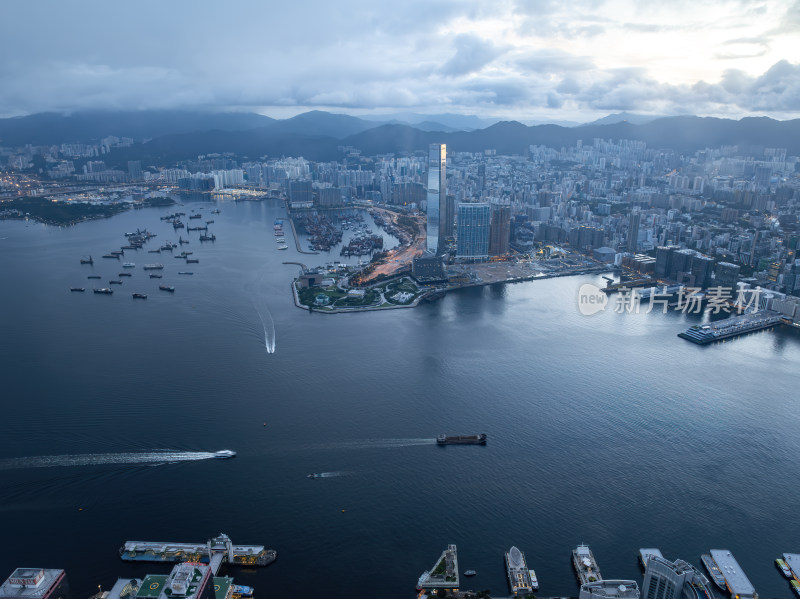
x: 436, y: 198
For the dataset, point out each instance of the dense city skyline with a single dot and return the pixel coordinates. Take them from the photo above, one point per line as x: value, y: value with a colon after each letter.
x: 530, y: 61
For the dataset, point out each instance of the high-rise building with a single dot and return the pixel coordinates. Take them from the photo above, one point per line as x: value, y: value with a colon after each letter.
x: 702, y: 266
x: 436, y: 197
x: 500, y: 229
x: 727, y: 275
x: 301, y: 194
x: 473, y: 231
x: 664, y: 579
x: 135, y: 170
x: 449, y: 217
x: 633, y: 230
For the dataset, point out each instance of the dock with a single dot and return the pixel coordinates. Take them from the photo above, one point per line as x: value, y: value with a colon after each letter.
x: 444, y: 574
x: 214, y: 552
x: 736, y: 580
x: 732, y: 327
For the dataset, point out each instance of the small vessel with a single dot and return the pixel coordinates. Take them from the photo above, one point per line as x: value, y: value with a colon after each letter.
x: 87, y: 260
x: 104, y: 290
x: 713, y: 569
x: 470, y: 572
x: 185, y: 272
x: 94, y: 277
x: 209, y: 222
x: 208, y: 237
x: 154, y: 276
x: 215, y: 211
x: 128, y: 265
x: 115, y: 282
x: 461, y: 439
x: 77, y: 289
x: 534, y: 580
x: 225, y: 453
x: 114, y: 256
x: 124, y: 274
x: 314, y: 475
x: 243, y: 591
x: 283, y: 247
x: 140, y: 296
x: 784, y: 568
x: 153, y: 266
x: 167, y: 288
x: 158, y: 251
x: 192, y: 260
x: 196, y: 216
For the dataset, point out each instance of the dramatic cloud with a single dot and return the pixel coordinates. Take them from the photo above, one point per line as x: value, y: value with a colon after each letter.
x: 531, y: 59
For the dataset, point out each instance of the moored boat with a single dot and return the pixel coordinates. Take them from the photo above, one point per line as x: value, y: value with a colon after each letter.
x: 104, y: 290
x: 154, y: 276
x: 77, y: 289
x: 796, y: 587
x: 94, y: 277
x: 713, y: 569
x: 140, y: 296
x: 169, y: 288
x: 585, y: 565
x: 783, y: 567
x: 87, y: 260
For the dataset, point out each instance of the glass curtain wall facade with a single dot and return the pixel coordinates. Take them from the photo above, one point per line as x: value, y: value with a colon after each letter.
x: 473, y: 231
x: 437, y: 197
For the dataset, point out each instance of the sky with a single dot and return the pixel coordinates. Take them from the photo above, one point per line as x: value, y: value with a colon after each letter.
x: 537, y: 60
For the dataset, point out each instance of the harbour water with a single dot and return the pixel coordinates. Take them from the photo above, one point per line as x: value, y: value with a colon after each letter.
x: 608, y: 430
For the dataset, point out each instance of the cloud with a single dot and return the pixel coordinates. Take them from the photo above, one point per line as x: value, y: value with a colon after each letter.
x: 472, y: 54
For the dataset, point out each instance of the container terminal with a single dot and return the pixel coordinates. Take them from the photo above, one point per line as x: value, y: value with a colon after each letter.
x: 736, y: 580
x: 213, y: 552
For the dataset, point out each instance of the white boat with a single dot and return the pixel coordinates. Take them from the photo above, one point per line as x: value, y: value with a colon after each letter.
x: 225, y: 453
x: 128, y: 264
x: 283, y: 247
x: 534, y: 580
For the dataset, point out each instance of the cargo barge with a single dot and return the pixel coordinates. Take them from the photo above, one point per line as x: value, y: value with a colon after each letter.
x: 461, y: 439
x: 241, y: 555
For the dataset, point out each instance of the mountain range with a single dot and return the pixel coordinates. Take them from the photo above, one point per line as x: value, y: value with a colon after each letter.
x: 168, y: 136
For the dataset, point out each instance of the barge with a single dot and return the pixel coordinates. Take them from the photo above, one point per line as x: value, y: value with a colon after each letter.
x: 461, y: 439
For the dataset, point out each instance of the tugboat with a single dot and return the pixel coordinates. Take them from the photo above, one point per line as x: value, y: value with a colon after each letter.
x: 139, y: 296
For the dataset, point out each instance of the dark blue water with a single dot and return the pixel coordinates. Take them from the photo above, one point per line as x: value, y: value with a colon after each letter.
x: 608, y: 429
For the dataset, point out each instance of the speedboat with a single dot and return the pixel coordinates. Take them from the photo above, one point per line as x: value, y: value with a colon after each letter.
x: 470, y: 572
x: 225, y: 453
x: 314, y: 475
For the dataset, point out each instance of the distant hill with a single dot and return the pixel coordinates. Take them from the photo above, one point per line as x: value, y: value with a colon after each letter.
x: 455, y: 122
x: 303, y: 137
x: 55, y: 128
x: 624, y: 117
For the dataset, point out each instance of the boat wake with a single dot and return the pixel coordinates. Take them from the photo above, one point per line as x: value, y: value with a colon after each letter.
x: 153, y: 458
x: 269, y: 335
x: 326, y: 474
x: 380, y: 443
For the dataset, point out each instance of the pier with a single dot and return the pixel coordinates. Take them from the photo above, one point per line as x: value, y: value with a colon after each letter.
x: 214, y: 552
x: 444, y: 574
x: 732, y: 327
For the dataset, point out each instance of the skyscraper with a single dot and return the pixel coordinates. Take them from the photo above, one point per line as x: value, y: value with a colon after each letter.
x: 664, y: 579
x: 473, y: 231
x: 500, y: 230
x: 633, y: 231
x: 437, y: 197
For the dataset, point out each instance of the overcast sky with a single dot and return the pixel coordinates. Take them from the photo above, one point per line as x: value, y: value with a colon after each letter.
x: 529, y: 60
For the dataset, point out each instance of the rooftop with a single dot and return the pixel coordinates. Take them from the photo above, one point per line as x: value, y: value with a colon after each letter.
x: 31, y: 583
x: 613, y: 589
x: 734, y: 576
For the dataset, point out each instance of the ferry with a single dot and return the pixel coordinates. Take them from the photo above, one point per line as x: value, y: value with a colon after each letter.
x: 585, y: 565
x: 139, y: 296
x: 783, y: 568
x: 461, y: 439
x: 713, y: 569
x: 519, y: 579
x: 225, y: 453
